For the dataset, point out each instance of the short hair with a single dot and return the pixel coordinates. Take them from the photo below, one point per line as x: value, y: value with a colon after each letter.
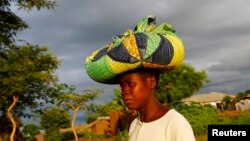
x: 144, y: 73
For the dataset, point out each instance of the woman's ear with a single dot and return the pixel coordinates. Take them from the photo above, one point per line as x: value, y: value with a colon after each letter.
x: 152, y: 81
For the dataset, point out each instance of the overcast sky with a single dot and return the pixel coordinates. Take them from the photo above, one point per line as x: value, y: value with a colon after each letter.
x: 216, y: 35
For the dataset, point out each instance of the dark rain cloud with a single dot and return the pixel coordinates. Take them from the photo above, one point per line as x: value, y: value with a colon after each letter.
x: 216, y: 35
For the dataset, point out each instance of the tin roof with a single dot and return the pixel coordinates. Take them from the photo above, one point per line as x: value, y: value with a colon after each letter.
x: 208, y: 97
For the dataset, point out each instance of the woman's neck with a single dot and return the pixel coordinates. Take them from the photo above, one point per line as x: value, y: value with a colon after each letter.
x: 152, y: 112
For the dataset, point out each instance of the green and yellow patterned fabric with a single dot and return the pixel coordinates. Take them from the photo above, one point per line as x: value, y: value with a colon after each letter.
x: 146, y: 47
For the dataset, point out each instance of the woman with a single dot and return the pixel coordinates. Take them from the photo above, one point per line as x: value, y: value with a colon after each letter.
x: 155, y: 122
x: 134, y: 61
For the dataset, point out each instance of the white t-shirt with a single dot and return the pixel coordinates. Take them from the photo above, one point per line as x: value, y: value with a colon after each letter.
x: 171, y: 127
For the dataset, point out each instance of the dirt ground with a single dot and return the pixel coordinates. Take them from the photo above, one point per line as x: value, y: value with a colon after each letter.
x: 109, y: 139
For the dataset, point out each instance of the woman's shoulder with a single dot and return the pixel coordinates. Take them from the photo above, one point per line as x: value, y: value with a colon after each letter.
x: 173, y: 114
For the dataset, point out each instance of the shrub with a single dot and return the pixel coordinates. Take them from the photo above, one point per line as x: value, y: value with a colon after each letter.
x: 52, y: 120
x: 122, y: 135
x: 29, y: 131
x: 56, y: 118
x: 52, y: 134
x: 234, y: 117
x: 69, y: 135
x: 199, y: 116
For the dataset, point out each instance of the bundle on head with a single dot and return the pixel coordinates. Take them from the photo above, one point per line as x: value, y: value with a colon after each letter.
x: 144, y: 47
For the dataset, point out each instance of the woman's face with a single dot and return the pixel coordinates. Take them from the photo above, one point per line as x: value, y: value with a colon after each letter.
x: 134, y: 90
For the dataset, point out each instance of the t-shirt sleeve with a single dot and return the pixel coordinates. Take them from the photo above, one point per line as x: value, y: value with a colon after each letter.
x: 184, y: 131
x: 179, y: 129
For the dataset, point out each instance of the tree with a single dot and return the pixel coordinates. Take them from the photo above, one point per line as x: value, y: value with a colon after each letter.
x: 117, y: 100
x: 6, y: 127
x: 26, y: 80
x: 11, y: 24
x: 241, y: 95
x: 29, y: 131
x: 55, y: 118
x: 180, y: 83
x: 105, y: 109
x: 52, y: 120
x: 247, y: 92
x: 199, y: 116
x: 12, y: 95
x: 226, y: 102
x: 71, y: 100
